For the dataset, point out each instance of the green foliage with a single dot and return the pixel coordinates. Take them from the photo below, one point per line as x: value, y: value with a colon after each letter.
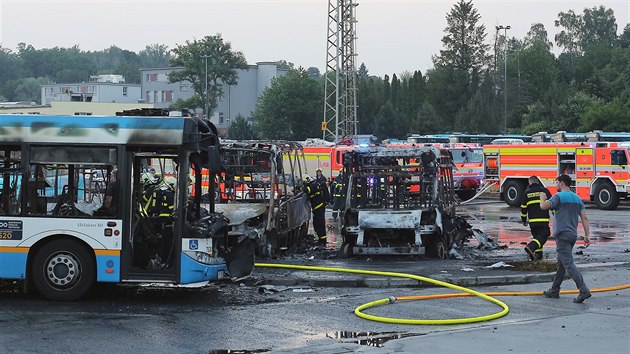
x: 596, y: 25
x: 370, y: 95
x: 27, y: 89
x: 222, y: 63
x: 189, y: 104
x: 291, y: 108
x: 447, y: 92
x: 390, y: 122
x: 537, y: 34
x: 240, y: 129
x: 571, y: 112
x: 464, y: 43
x: 611, y: 116
x: 154, y: 56
x: 427, y: 120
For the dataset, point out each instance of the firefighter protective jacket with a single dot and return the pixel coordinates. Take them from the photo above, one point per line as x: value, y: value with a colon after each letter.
x: 317, y: 195
x: 530, y: 206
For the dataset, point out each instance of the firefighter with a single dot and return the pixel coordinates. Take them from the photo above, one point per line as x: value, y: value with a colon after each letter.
x: 538, y: 218
x: 317, y: 195
x: 338, y: 195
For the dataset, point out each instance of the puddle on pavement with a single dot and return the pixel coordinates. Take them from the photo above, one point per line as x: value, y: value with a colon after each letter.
x: 370, y: 339
x: 509, y: 231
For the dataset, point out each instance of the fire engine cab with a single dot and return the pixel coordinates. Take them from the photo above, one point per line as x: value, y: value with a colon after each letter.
x: 599, y: 170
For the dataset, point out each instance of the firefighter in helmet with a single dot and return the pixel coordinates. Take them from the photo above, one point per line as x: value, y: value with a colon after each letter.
x: 537, y: 218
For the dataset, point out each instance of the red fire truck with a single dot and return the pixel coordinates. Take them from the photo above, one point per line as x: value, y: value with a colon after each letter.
x: 599, y: 170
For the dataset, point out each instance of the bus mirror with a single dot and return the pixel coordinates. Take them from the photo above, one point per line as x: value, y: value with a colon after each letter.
x: 214, y: 160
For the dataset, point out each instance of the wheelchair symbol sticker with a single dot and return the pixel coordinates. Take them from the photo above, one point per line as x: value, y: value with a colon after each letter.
x: 193, y: 244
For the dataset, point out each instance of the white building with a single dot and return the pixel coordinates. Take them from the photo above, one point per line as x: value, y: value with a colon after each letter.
x: 101, y: 88
x: 239, y: 99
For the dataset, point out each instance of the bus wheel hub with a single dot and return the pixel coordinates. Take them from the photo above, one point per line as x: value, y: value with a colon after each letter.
x: 62, y: 270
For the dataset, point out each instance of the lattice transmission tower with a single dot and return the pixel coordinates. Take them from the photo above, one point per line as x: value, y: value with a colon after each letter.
x: 340, y: 91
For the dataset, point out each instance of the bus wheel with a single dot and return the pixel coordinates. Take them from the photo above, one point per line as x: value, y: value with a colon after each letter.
x: 606, y: 197
x: 346, y: 250
x: 437, y: 249
x: 513, y: 193
x: 63, y: 270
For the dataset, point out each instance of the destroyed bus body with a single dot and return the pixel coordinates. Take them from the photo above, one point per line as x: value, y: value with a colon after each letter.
x: 259, y: 190
x: 599, y: 170
x: 400, y: 202
x: 468, y: 175
x: 125, y: 231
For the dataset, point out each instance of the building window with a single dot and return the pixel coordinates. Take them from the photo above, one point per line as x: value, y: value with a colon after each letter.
x: 124, y: 90
x: 148, y: 97
x: 151, y: 77
x: 167, y: 96
x: 183, y: 88
x: 155, y: 96
x: 221, y: 119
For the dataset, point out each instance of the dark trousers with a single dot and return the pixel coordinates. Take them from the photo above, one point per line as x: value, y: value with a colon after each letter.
x: 319, y: 222
x: 564, y: 247
x: 541, y: 234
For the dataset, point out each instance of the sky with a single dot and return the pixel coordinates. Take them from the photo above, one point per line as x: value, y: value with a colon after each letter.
x: 393, y: 36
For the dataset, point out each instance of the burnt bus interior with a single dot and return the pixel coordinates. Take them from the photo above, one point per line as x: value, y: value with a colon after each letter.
x: 259, y: 190
x: 384, y: 185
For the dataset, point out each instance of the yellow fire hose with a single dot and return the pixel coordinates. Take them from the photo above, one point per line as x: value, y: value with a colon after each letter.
x: 392, y: 299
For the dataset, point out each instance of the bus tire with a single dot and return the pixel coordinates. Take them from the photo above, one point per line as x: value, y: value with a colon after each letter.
x: 606, y: 196
x: 513, y: 193
x: 63, y: 270
x: 437, y: 249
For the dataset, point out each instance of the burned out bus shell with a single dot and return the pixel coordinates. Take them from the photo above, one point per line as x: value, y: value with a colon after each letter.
x: 65, y: 243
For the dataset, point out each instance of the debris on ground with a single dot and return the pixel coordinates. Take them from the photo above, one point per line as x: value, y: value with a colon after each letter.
x: 499, y: 265
x: 271, y: 289
x: 467, y: 269
x: 484, y: 240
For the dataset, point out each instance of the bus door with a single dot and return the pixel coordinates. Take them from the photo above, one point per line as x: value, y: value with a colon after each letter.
x: 154, y: 238
x: 585, y: 172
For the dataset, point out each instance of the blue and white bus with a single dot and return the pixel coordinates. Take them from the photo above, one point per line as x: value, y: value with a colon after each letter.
x: 76, y: 208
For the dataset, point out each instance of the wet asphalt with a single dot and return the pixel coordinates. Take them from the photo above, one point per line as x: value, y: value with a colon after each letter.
x: 312, y: 312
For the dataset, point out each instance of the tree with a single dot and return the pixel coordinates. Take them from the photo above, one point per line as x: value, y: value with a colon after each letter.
x: 390, y: 122
x: 460, y: 64
x: 624, y: 39
x: 363, y: 72
x: 27, y: 89
x: 291, y: 108
x: 427, y: 120
x: 600, y: 26
x: 596, y: 25
x: 464, y: 43
x: 612, y: 116
x: 240, y: 129
x: 537, y: 34
x: 154, y: 56
x: 222, y: 62
x: 11, y: 69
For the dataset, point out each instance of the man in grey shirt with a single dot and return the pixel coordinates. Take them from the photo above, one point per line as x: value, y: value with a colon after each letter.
x: 568, y: 207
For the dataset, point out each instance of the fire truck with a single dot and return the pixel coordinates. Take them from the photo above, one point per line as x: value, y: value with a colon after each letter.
x: 599, y: 170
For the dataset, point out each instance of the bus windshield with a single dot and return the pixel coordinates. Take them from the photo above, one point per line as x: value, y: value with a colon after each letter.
x: 467, y: 155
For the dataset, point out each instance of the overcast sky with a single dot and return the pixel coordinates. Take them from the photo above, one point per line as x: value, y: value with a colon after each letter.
x: 394, y: 36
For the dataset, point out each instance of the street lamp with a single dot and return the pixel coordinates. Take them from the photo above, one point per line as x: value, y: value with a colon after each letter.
x: 505, y: 28
x: 205, y: 111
